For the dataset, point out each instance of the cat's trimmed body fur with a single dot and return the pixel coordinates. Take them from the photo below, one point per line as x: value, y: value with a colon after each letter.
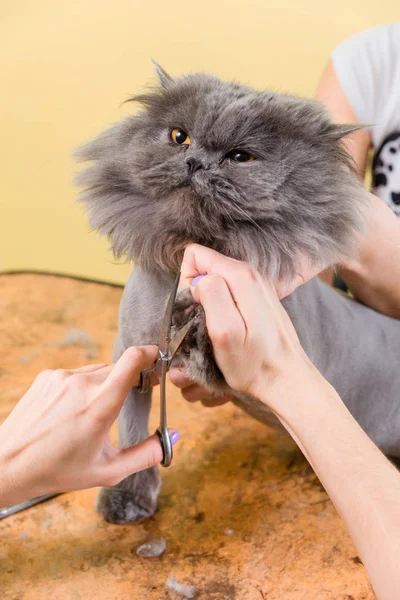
x: 298, y: 197
x: 354, y: 347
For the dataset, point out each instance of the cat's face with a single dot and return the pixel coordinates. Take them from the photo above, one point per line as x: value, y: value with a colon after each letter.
x: 255, y: 175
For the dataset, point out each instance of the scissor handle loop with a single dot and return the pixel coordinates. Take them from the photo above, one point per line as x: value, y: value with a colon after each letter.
x: 144, y: 380
x: 166, y: 446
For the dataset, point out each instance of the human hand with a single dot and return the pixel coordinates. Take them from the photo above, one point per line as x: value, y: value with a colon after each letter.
x: 191, y: 391
x: 254, y: 341
x: 58, y: 436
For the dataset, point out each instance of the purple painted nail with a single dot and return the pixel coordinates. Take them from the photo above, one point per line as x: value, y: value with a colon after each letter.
x: 197, y: 279
x: 174, y: 436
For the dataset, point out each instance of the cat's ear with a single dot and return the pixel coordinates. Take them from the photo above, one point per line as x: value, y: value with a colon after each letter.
x: 340, y: 131
x: 165, y: 79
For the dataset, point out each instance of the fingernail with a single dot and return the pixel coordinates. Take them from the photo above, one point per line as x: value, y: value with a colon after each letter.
x: 197, y: 279
x: 174, y: 436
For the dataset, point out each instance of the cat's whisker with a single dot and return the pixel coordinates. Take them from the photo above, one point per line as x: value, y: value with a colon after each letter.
x: 227, y: 213
x: 247, y: 215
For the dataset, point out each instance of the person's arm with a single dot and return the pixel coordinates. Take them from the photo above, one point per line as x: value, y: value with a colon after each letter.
x: 258, y: 351
x: 57, y: 438
x: 373, y: 275
x: 362, y: 484
x: 331, y: 95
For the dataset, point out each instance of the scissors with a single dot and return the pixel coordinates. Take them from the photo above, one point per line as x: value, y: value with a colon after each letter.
x: 167, y: 349
x: 16, y: 508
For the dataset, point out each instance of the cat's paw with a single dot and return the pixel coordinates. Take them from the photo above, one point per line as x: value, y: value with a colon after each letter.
x: 133, y: 499
x: 196, y: 353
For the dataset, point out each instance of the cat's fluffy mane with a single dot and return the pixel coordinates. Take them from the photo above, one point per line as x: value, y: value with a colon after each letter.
x: 299, y: 197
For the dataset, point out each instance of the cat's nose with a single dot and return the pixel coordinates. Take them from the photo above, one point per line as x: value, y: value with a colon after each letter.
x: 194, y: 164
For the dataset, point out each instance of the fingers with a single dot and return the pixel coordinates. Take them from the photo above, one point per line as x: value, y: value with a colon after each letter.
x: 222, y: 315
x: 248, y: 289
x: 212, y: 401
x: 123, y: 376
x: 137, y: 458
x: 179, y: 379
x: 194, y: 393
x: 243, y: 281
x: 87, y: 369
x: 199, y: 260
x: 125, y: 373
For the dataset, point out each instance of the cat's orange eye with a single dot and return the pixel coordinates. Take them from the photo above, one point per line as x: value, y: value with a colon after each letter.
x: 180, y: 137
x: 241, y: 156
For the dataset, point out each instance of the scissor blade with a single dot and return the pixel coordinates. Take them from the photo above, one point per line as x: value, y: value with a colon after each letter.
x: 166, y: 322
x: 16, y: 508
x: 176, y: 342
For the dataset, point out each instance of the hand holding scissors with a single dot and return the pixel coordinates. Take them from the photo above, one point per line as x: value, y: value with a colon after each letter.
x: 167, y: 349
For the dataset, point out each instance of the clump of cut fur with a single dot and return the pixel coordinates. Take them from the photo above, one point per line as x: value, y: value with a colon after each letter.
x: 298, y: 197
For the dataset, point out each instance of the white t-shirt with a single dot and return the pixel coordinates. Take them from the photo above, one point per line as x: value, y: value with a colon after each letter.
x: 367, y: 66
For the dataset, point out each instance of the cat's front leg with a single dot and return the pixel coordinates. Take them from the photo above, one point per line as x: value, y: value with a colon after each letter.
x: 135, y: 497
x: 141, y: 309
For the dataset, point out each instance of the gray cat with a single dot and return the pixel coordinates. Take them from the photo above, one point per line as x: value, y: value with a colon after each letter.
x: 260, y: 177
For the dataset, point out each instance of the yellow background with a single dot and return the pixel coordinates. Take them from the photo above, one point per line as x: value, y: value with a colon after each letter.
x: 66, y: 66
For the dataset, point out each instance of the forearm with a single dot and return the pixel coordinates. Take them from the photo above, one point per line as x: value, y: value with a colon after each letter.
x: 363, y: 485
x: 374, y: 275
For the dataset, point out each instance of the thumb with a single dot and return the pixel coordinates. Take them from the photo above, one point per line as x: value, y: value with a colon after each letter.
x: 144, y: 455
x: 122, y: 377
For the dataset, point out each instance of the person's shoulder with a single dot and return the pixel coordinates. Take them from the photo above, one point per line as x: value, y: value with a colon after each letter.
x: 377, y: 33
x: 374, y: 39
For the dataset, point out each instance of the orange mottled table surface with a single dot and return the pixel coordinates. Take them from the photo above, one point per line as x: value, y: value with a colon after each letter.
x: 243, y: 514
